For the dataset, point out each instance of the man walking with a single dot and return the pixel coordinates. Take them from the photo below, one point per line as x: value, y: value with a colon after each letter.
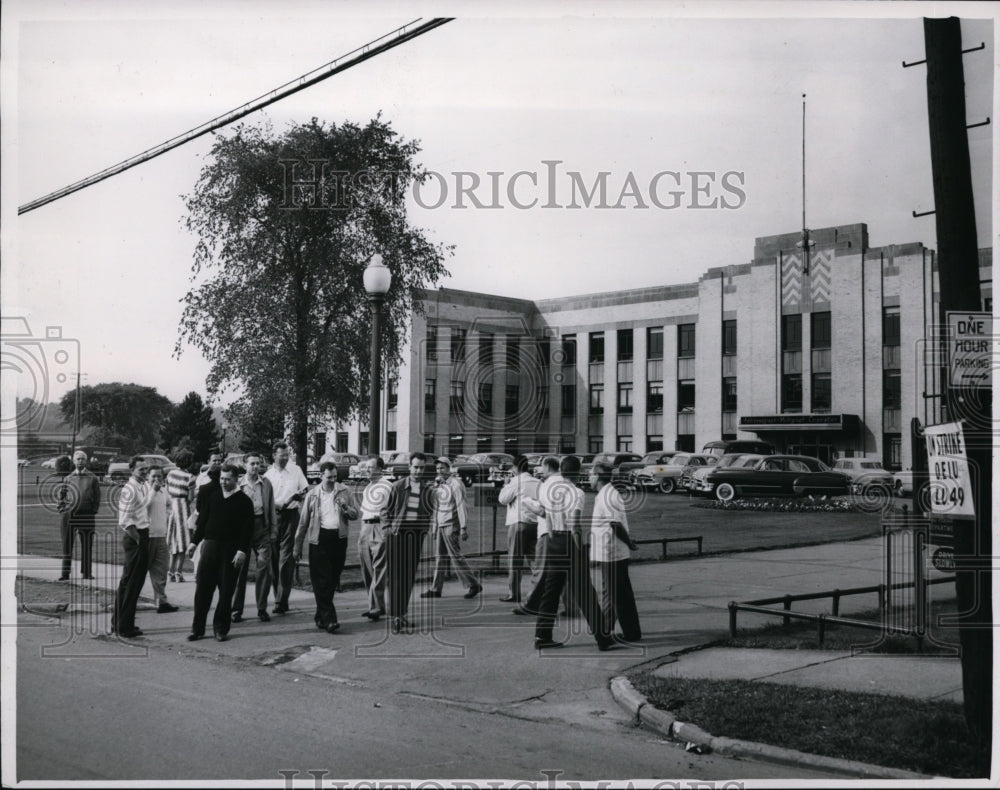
x: 448, y: 521
x: 326, y: 511
x: 133, y: 518
x: 261, y: 493
x: 159, y: 555
x: 224, y: 527
x: 409, y: 513
x: 559, y: 505
x: 522, y: 528
x: 290, y: 486
x: 371, y: 538
x: 610, y: 545
x: 79, y: 501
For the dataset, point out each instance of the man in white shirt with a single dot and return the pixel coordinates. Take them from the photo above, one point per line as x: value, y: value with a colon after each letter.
x: 448, y: 521
x: 133, y: 518
x: 522, y: 528
x: 610, y: 545
x: 371, y: 538
x: 558, y: 507
x: 289, y: 486
x: 159, y: 555
x: 261, y: 493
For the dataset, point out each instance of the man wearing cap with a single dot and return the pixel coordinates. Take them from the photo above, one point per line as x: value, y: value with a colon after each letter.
x: 409, y: 514
x: 371, y: 538
x: 79, y: 501
x: 522, y: 528
x: 448, y: 522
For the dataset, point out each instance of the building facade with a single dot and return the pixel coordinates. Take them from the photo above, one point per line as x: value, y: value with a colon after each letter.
x: 828, y: 351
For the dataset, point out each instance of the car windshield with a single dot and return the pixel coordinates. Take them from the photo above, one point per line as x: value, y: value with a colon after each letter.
x: 871, y: 465
x: 679, y: 460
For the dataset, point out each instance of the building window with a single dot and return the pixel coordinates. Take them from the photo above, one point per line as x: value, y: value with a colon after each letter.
x: 595, y: 444
x: 987, y: 304
x: 567, y: 444
x: 685, y: 340
x: 597, y: 399
x: 485, y: 399
x: 729, y: 393
x: 791, y: 392
x: 625, y: 398
x: 728, y: 338
x: 624, y: 444
x: 513, y: 352
x: 341, y: 442
x: 791, y: 333
x: 654, y: 443
x: 486, y: 349
x: 892, y: 392
x: 512, y: 401
x: 319, y: 443
x: 510, y: 445
x: 625, y: 345
x: 483, y: 444
x: 569, y: 349
x: 390, y: 440
x: 654, y: 342
x: 890, y: 326
x: 363, y: 443
x: 430, y: 394
x: 596, y: 353
x: 892, y: 451
x: 457, y: 344
x: 684, y: 443
x: 822, y: 392
x: 569, y: 400
x: 457, y: 401
x: 685, y: 395
x: 391, y: 396
x: 456, y: 444
x: 432, y: 341
x: 429, y: 444
x: 654, y: 396
x: 819, y: 334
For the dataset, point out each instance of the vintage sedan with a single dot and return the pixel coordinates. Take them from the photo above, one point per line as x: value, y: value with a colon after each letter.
x: 343, y: 462
x: 666, y: 476
x: 699, y: 484
x: 779, y: 475
x: 483, y: 467
x: 867, y: 474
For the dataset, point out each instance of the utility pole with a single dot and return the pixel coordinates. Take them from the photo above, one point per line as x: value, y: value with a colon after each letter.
x: 958, y: 266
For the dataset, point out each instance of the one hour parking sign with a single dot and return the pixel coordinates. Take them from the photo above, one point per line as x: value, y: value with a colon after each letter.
x: 970, y: 349
x: 948, y: 468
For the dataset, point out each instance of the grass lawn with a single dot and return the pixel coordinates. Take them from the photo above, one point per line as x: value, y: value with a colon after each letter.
x: 929, y: 737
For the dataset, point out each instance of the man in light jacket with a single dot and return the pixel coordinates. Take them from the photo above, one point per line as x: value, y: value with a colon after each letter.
x: 448, y: 523
x: 265, y: 535
x: 326, y: 512
x: 522, y: 528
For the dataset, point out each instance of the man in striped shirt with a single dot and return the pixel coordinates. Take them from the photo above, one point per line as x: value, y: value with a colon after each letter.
x: 409, y: 513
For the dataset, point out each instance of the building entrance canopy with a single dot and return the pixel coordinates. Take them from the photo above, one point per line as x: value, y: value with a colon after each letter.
x: 848, y: 423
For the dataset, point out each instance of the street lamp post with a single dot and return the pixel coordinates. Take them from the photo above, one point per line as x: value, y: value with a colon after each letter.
x: 377, y: 278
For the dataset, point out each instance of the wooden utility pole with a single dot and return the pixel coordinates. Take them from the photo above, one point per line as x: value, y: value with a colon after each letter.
x: 958, y: 267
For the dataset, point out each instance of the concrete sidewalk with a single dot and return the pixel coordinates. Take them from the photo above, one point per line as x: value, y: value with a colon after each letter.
x: 683, y: 604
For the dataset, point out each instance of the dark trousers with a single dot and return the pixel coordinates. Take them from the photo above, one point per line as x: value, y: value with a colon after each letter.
x: 261, y: 548
x: 215, y: 571
x: 326, y: 563
x: 403, y: 555
x: 69, y: 527
x: 133, y: 577
x: 282, y: 561
x: 533, y: 602
x: 618, y: 600
x: 564, y: 564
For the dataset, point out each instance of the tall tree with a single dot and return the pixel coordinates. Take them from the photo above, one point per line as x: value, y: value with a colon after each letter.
x: 124, y: 415
x: 286, y: 225
x: 193, y: 420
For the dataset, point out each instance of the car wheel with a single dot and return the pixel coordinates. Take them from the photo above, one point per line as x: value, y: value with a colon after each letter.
x: 668, y: 485
x: 725, y: 492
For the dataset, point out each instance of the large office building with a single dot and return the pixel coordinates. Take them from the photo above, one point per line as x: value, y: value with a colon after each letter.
x: 827, y: 352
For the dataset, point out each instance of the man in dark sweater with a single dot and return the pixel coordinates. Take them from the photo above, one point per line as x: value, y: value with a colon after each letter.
x: 225, y: 523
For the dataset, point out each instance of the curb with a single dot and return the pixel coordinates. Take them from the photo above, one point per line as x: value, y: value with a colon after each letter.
x: 667, y: 725
x: 80, y: 608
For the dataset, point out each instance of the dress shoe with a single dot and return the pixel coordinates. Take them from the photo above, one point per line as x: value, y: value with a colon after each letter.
x: 628, y: 639
x: 605, y: 643
x: 509, y: 599
x: 521, y: 610
x: 64, y: 577
x: 193, y: 637
x: 172, y: 577
x: 544, y: 644
x: 474, y: 590
x: 430, y: 594
x: 333, y: 628
x: 263, y: 616
x: 221, y: 637
x: 400, y: 625
x: 237, y: 617
x: 279, y: 609
x: 166, y: 608
x: 89, y: 576
x: 373, y: 616
x: 130, y: 634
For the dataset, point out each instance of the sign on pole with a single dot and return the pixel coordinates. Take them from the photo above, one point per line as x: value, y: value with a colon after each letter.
x: 970, y: 349
x: 948, y: 468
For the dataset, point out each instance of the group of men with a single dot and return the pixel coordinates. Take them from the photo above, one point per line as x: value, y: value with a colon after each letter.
x: 275, y: 513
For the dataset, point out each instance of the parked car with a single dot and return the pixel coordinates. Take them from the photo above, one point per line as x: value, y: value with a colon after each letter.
x: 237, y: 460
x: 778, y: 475
x: 728, y: 446
x: 119, y: 471
x: 482, y: 467
x: 666, y: 476
x: 343, y: 462
x: 866, y: 474
x: 535, y: 462
x: 695, y: 462
x: 616, y: 461
x: 699, y: 484
x: 50, y: 463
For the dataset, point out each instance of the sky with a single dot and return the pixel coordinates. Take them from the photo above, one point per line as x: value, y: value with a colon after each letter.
x: 631, y: 90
